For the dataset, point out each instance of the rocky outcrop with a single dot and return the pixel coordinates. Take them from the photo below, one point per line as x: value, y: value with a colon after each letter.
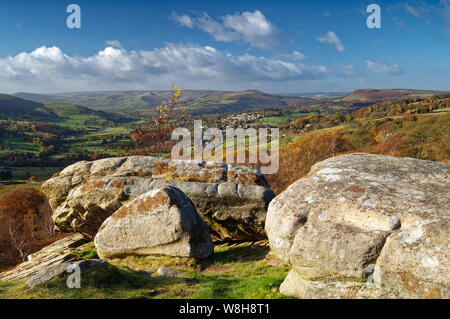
x: 160, y: 222
x: 367, y: 226
x: 231, y: 199
x: 47, y: 263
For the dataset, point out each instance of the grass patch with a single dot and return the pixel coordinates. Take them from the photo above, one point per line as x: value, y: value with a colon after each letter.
x: 87, y: 253
x: 236, y: 271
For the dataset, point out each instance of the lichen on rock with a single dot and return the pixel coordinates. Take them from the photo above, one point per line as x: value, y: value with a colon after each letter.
x: 366, y: 226
x: 232, y: 199
x: 160, y: 222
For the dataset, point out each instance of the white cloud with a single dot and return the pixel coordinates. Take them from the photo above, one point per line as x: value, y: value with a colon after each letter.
x: 50, y: 69
x: 114, y: 43
x: 250, y: 27
x: 429, y: 12
x: 298, y: 56
x: 184, y: 20
x: 332, y: 39
x: 384, y: 67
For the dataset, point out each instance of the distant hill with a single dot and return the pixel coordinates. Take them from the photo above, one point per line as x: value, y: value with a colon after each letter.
x: 373, y: 95
x: 12, y: 105
x: 229, y: 102
x: 113, y: 100
x: 194, y: 100
x: 315, y: 96
x: 15, y: 108
x: 199, y: 102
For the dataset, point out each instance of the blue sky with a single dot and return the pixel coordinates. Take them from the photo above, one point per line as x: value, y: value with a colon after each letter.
x: 274, y: 46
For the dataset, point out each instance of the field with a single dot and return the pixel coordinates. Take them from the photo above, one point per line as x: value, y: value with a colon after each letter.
x: 275, y: 121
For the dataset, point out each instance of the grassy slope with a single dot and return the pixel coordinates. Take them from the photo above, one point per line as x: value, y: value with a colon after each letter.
x: 90, y: 122
x: 232, y: 272
x: 372, y: 95
x: 9, y: 105
x: 114, y: 100
x: 229, y: 102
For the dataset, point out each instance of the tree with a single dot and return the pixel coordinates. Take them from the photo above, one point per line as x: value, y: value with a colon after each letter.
x: 25, y: 220
x: 157, y: 132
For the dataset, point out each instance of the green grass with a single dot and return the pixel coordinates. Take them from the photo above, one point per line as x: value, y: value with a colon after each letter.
x: 232, y: 272
x: 275, y: 121
x: 42, y: 173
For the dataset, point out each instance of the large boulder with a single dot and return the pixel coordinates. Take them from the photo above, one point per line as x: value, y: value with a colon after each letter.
x: 367, y: 226
x: 231, y: 199
x: 160, y: 222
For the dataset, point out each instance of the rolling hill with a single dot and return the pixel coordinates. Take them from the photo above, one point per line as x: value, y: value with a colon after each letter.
x: 14, y: 108
x: 230, y: 102
x: 373, y: 95
x: 10, y: 105
x: 198, y: 102
x: 194, y: 100
x: 113, y: 100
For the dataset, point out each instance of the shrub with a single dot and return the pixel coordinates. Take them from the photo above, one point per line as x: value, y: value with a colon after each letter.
x: 25, y: 224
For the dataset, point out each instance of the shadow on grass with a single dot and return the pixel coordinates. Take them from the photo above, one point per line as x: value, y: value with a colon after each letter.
x: 225, y: 255
x: 113, y: 282
x: 236, y: 271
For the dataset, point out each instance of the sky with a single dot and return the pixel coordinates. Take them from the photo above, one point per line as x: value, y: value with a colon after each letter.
x: 274, y: 46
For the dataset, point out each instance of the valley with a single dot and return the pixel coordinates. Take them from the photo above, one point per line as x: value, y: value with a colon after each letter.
x: 38, y: 138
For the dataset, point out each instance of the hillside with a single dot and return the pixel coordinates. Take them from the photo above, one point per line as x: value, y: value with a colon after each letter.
x: 229, y: 102
x: 372, y: 95
x: 14, y: 108
x: 113, y: 100
x: 209, y: 101
x: 13, y: 105
x: 315, y: 96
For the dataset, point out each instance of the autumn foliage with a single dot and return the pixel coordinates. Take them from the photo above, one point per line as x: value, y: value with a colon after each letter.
x: 155, y: 134
x: 423, y: 137
x: 297, y: 157
x: 25, y: 224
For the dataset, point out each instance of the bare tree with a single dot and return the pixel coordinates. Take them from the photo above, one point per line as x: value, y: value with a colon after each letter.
x: 17, y: 238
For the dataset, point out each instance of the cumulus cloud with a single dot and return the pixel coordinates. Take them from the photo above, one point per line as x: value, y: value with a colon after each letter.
x: 332, y: 39
x: 49, y: 69
x: 389, y: 68
x: 249, y: 27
